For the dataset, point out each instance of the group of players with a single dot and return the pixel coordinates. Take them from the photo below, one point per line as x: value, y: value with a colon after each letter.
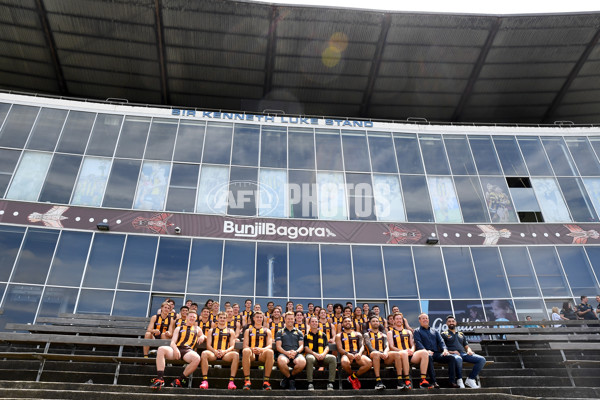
x: 361, y: 337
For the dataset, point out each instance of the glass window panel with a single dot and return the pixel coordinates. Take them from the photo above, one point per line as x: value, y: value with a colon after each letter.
x: 578, y: 270
x: 4, y: 180
x: 245, y: 145
x: 381, y: 148
x: 205, y: 266
x: 437, y: 311
x: 500, y: 310
x: 238, y: 269
x: 532, y: 307
x: 301, y: 148
x: 161, y: 139
x: 361, y: 204
x: 535, y: 156
x: 125, y: 300
x: 583, y: 155
x: 368, y: 272
x: 519, y: 271
x: 490, y: 274
x: 272, y: 198
x: 468, y: 311
x: 459, y: 270
x: 416, y: 198
x: 8, y: 161
x: 459, y: 155
x: 91, y: 182
x: 243, y: 187
x: 190, y: 141
x: 181, y: 200
x: 35, y: 257
x: 332, y: 198
x: 485, y: 155
x: 329, y: 150
x: 10, y: 241
x: 271, y: 270
x: 593, y: 253
x: 389, y: 204
x: 69, y: 259
x: 408, y: 153
x: 305, y: 273
x: 133, y: 137
x: 58, y: 300
x: 213, y: 190
x: 434, y: 154
x: 157, y: 300
x: 217, y: 143
x: 470, y: 197
x: 582, y: 209
x: 17, y: 125
x: 104, y: 260
x: 356, y: 154
x: 20, y: 304
x: 410, y: 309
x: 303, y: 194
x: 122, y: 183
x: 30, y: 175
x: 510, y: 156
x: 171, y: 265
x: 182, y: 190
x: 152, y: 186
x: 524, y: 199
x: 47, y: 129
x: 399, y: 268
x: 76, y: 132
x: 430, y: 273
x: 443, y: 198
x: 273, y: 146
x: 60, y: 179
x: 551, y: 202
x: 4, y: 107
x: 336, y: 272
x: 138, y: 262
x: 95, y: 301
x: 559, y: 156
x: 497, y: 198
x: 593, y: 188
x: 104, y: 135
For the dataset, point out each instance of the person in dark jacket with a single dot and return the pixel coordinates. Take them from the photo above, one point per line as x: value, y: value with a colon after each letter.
x: 429, y: 339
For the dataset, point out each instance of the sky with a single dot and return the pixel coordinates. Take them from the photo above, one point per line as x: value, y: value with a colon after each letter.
x: 458, y: 6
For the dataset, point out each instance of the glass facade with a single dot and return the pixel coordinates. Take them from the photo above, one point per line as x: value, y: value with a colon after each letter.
x: 255, y: 170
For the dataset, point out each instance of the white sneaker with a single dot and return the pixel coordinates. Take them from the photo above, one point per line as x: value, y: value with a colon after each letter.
x: 471, y: 383
x: 311, y: 386
x: 460, y: 383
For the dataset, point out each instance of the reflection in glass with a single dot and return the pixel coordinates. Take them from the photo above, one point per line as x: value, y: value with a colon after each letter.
x: 582, y: 209
x: 138, y: 262
x: 303, y: 194
x: 205, y: 266
x: 182, y: 189
x: 551, y: 202
x: 368, y: 272
x: 36, y: 254
x: 152, y: 186
x: 470, y: 196
x: 47, y: 129
x: 485, y: 155
x: 329, y: 150
x: 410, y: 309
x: 133, y: 137
x: 500, y: 310
x: 217, y: 143
x: 272, y: 197
x: 332, y: 198
x: 559, y: 156
x: 30, y: 175
x: 213, y: 190
x: 498, y: 200
x: 95, y: 301
x: 408, y: 153
x: 17, y: 126
x: 389, y: 204
x: 510, y: 156
x: 69, y: 259
x: 490, y: 274
x: 578, y: 270
x: 243, y: 187
x: 104, y: 260
x: 437, y: 311
x: 60, y: 179
x: 271, y: 269
x: 356, y: 155
x: 58, y: 300
x: 10, y: 241
x: 305, y: 275
x: 381, y: 149
x: 519, y: 272
x: 273, y: 147
x: 91, y: 182
x: 459, y: 269
x: 8, y: 162
x: 468, y: 311
x: 105, y: 135
x: 161, y: 139
x: 416, y: 198
x: 531, y: 307
x: 121, y: 183
x: 593, y: 188
x: 430, y: 273
x: 76, y: 132
x: 245, y: 145
x: 20, y: 304
x: 4, y: 107
x: 461, y: 161
x: 434, y: 154
x: 190, y: 141
x: 171, y: 265
x: 593, y: 253
x: 361, y: 205
x: 535, y: 157
x: 336, y: 272
x: 443, y: 198
x: 238, y: 269
x: 301, y: 148
x: 399, y: 268
x: 125, y: 300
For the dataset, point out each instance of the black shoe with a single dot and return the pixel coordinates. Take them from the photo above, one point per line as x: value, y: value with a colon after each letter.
x: 379, y: 386
x: 452, y: 385
x: 292, y: 384
x: 435, y: 385
x: 284, y: 383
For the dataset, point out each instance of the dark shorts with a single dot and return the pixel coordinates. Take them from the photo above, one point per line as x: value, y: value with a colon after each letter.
x: 291, y: 359
x: 184, y: 350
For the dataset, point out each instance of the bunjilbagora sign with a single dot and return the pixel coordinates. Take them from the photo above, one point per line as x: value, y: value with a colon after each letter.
x: 293, y: 230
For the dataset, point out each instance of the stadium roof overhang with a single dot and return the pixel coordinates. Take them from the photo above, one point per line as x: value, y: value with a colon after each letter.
x: 305, y: 60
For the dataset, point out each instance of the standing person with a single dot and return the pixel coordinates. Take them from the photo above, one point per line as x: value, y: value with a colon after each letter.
x: 338, y: 316
x: 182, y: 347
x: 214, y: 311
x: 400, y: 340
x: 317, y: 352
x: 396, y: 310
x: 556, y: 316
x: 567, y: 312
x: 585, y: 311
x: 220, y: 345
x: 359, y: 322
x: 378, y: 351
x: 236, y: 314
x: 232, y: 323
x: 183, y: 312
x: 429, y: 339
x: 326, y: 326
x: 276, y: 322
x: 194, y: 307
x: 247, y: 313
x: 349, y: 345
x: 365, y: 312
x: 258, y: 346
x: 205, y: 323
x: 161, y: 326
x: 299, y: 322
x: 311, y: 310
x: 290, y: 345
x: 289, y: 306
x: 458, y: 346
x: 330, y: 311
x: 598, y: 306
x: 269, y: 312
x: 382, y: 321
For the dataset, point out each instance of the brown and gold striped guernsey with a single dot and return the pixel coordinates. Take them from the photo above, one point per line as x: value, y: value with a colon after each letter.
x: 301, y: 327
x: 257, y: 337
x: 188, y: 336
x: 205, y: 326
x: 179, y: 322
x: 401, y: 339
x: 162, y: 324
x: 221, y: 337
x: 248, y: 315
x: 376, y: 338
x: 238, y: 319
x: 274, y: 327
x: 315, y: 341
x: 231, y: 324
x: 337, y: 320
x: 350, y: 342
x: 327, y: 329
